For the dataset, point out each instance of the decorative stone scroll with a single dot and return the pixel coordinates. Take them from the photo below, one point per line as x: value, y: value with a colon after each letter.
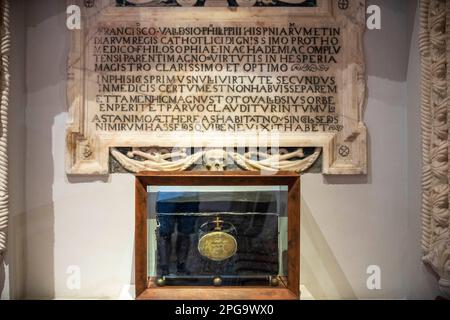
x: 435, y: 52
x: 218, y: 79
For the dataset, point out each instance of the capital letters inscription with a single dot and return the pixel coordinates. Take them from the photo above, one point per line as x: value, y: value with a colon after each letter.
x: 172, y: 76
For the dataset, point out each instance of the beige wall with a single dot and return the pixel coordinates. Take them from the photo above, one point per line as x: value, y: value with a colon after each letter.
x: 348, y: 223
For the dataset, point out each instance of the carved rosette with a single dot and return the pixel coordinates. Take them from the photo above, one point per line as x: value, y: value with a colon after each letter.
x: 435, y: 53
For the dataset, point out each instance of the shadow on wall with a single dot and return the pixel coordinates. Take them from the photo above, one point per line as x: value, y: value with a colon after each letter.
x: 45, y: 74
x: 2, y: 274
x: 320, y: 271
x: 381, y: 63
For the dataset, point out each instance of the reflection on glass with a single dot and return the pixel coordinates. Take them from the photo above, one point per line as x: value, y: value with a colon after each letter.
x: 220, y: 235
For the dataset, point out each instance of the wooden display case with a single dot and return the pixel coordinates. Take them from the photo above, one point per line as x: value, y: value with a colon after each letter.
x: 287, y: 289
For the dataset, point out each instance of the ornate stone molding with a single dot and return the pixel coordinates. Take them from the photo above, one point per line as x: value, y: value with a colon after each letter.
x: 340, y: 132
x: 215, y: 160
x: 435, y: 53
x: 4, y: 102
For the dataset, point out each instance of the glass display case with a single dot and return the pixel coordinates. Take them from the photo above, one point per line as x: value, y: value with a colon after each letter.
x: 219, y: 235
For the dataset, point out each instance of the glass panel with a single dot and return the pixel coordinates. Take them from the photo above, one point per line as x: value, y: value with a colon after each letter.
x: 199, y: 235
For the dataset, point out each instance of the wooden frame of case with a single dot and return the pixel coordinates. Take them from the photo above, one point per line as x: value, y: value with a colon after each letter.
x: 145, y: 286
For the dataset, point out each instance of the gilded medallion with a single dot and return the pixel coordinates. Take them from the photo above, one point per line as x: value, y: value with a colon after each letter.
x: 217, y: 245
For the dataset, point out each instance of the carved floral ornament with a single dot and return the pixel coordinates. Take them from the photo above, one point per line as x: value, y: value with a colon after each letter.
x: 435, y: 53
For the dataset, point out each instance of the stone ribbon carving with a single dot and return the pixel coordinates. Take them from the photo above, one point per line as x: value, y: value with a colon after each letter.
x: 215, y: 160
x: 435, y: 52
x: 5, y: 44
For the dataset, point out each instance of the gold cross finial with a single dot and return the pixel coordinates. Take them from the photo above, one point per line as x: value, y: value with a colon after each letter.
x: 218, y: 223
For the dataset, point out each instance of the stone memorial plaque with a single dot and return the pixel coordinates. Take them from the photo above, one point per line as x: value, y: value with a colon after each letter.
x: 286, y: 74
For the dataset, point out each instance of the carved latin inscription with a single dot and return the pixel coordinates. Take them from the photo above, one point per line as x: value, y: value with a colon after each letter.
x: 216, y: 78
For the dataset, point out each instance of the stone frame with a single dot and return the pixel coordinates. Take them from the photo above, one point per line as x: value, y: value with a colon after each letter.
x: 343, y: 153
x: 5, y: 49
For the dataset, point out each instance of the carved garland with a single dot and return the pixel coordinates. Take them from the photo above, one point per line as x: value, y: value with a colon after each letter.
x: 4, y: 54
x: 215, y: 160
x: 435, y: 52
